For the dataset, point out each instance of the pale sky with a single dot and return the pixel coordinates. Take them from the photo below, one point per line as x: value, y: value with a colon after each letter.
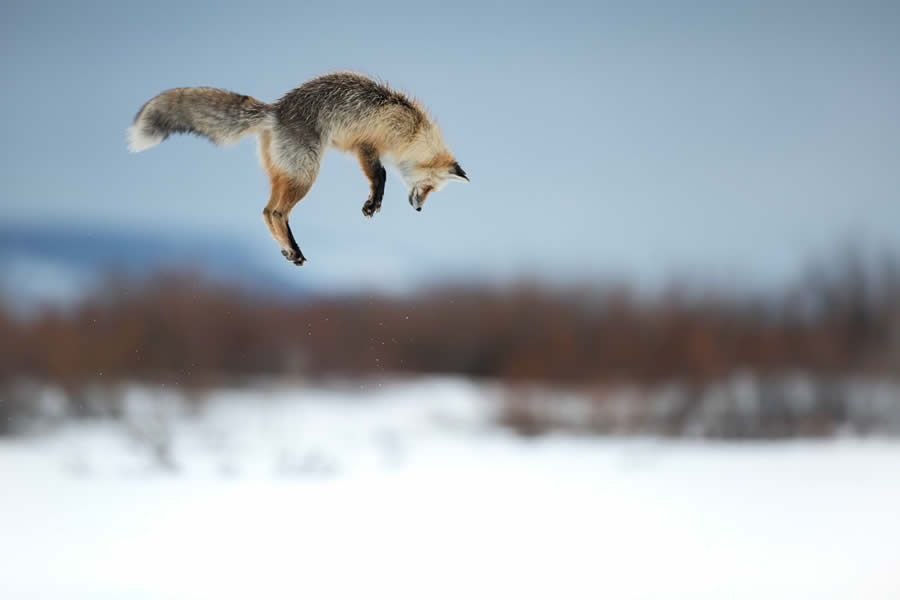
x: 638, y: 140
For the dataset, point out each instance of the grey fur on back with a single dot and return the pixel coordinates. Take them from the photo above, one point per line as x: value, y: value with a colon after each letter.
x: 334, y: 101
x: 308, y: 118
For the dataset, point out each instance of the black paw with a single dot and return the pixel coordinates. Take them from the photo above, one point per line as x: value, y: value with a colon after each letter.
x: 294, y: 256
x: 371, y: 207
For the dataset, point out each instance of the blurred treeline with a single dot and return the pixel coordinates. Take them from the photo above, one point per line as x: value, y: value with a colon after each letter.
x: 185, y: 329
x: 838, y: 320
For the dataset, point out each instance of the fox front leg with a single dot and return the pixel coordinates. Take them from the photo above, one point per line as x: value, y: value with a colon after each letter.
x: 373, y: 204
x: 372, y: 167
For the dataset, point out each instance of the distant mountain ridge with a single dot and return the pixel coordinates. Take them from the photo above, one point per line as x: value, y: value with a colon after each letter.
x: 56, y: 263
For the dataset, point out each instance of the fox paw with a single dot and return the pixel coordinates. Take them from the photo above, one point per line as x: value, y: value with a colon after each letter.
x: 370, y: 208
x: 294, y: 256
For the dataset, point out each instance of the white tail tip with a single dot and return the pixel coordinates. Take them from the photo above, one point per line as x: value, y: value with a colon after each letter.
x: 138, y: 140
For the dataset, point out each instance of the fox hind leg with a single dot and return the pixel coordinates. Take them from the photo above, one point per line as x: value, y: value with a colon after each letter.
x: 286, y: 193
x: 374, y: 170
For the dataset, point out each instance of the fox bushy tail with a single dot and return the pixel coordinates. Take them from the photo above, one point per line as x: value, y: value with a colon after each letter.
x: 219, y: 115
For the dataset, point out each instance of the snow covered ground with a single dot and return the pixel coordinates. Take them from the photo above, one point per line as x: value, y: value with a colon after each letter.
x: 407, y: 490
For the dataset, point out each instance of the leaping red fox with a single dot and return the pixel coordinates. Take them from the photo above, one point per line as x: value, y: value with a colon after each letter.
x: 348, y: 111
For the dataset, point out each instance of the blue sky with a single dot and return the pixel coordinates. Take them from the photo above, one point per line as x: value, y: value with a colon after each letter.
x: 636, y: 140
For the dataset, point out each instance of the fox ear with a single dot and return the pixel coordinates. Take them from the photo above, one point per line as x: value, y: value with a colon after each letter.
x: 456, y: 172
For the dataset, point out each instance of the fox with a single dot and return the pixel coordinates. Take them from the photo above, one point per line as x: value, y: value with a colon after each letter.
x: 344, y: 110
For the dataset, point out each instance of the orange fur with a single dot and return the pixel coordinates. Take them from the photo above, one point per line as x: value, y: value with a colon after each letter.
x: 286, y: 193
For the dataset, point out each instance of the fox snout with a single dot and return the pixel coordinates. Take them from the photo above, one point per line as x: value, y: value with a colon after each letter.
x: 416, y: 201
x: 417, y: 197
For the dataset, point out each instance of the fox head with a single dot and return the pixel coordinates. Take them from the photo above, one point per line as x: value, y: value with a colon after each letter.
x: 424, y: 178
x: 428, y: 166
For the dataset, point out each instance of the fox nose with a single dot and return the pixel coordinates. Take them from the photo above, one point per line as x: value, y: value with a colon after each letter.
x: 419, y: 209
